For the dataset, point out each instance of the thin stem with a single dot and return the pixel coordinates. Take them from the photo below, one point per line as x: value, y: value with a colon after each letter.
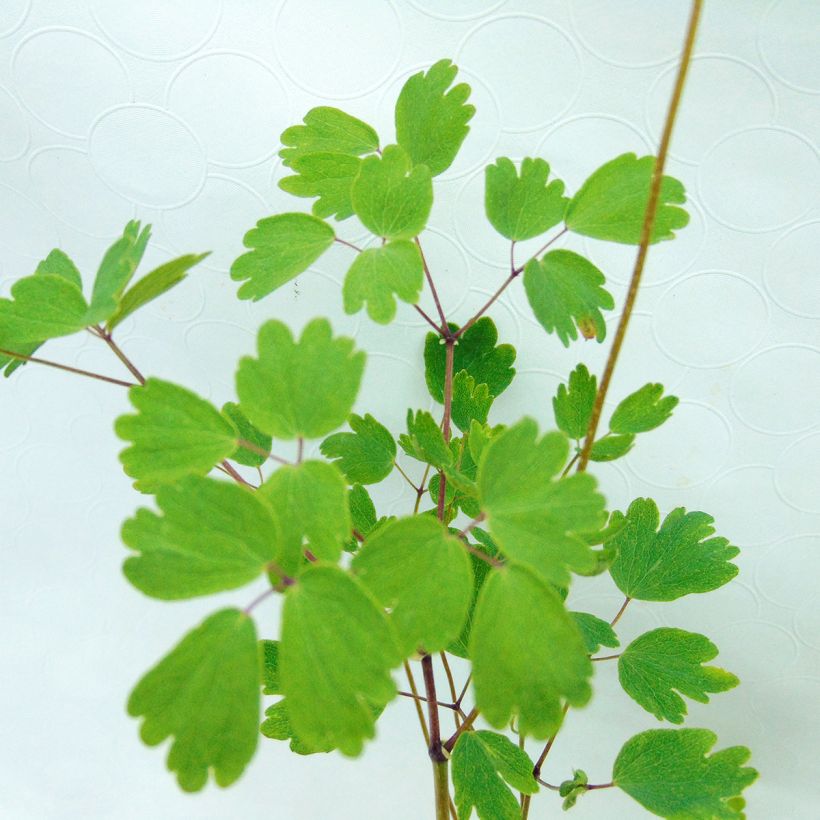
x: 445, y: 422
x: 541, y: 250
x: 259, y: 598
x: 468, y: 722
x: 229, y: 469
x: 464, y: 689
x: 427, y: 319
x: 444, y: 326
x: 474, y: 523
x: 621, y: 611
x: 130, y: 366
x: 36, y: 360
x: 357, y: 535
x: 423, y: 699
x: 548, y: 785
x: 540, y: 762
x: 487, y: 559
x: 421, y: 489
x: 452, y: 685
x: 606, y: 657
x: 646, y: 234
x: 405, y: 476
x: 348, y: 244
x: 570, y: 465
x: 300, y: 449
x: 260, y: 451
x: 419, y: 711
x: 436, y: 752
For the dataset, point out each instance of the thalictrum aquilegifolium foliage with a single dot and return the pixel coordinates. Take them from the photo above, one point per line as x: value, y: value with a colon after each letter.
x: 502, y: 526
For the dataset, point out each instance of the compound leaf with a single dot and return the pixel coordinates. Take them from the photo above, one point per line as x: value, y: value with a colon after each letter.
x: 483, y: 764
x: 299, y: 389
x: 282, y: 247
x: 118, y: 266
x: 212, y: 536
x: 422, y: 576
x: 572, y: 404
x: 522, y: 206
x: 391, y: 197
x: 670, y: 773
x: 471, y: 401
x: 661, y: 663
x: 173, y: 434
x: 205, y: 693
x: 327, y: 130
x: 534, y: 518
x: 366, y: 455
x: 664, y: 564
x: 612, y: 202
x: 337, y: 649
x: 431, y: 121
x: 476, y: 352
x: 424, y: 440
x: 310, y: 502
x: 522, y: 669
x: 643, y: 410
x: 152, y: 285
x: 379, y: 275
x: 595, y: 631
x: 564, y: 291
x: 250, y: 457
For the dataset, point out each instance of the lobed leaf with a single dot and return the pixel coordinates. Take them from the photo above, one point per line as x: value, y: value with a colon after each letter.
x: 424, y: 440
x: 329, y: 177
x: 470, y: 402
x: 281, y: 247
x: 212, y: 536
x: 522, y: 206
x: 609, y: 447
x: 327, y: 130
x: 431, y: 121
x: 299, y: 389
x: 662, y: 662
x: 249, y: 433
x: 643, y: 410
x: 174, y: 433
x: 336, y: 650
x: 205, y: 694
x: 670, y: 773
x: 665, y: 564
x: 595, y: 632
x: 611, y: 204
x: 566, y: 291
x: 366, y: 455
x: 573, y: 403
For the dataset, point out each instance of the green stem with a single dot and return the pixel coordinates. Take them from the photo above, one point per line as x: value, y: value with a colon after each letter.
x: 646, y: 234
x: 76, y: 370
x: 442, y: 783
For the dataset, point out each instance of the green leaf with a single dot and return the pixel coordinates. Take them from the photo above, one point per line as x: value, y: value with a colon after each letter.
x: 152, y: 285
x: 391, y: 197
x: 565, y: 290
x: 481, y: 569
x: 521, y: 668
x: 328, y: 130
x: 56, y: 263
x: 482, y: 762
x: 525, y: 206
x: 247, y: 432
x: 326, y: 176
x: 659, y: 662
x: 276, y: 726
x: 362, y: 510
x: 422, y: 576
x: 299, y: 389
x: 471, y: 401
x: 424, y: 440
x: 612, y: 202
x: 609, y: 447
x: 310, y: 503
x: 205, y: 693
x: 377, y: 274
x: 571, y: 790
x: 212, y: 536
x: 269, y: 661
x: 174, y: 433
x: 116, y: 270
x: 573, y: 406
x: 534, y: 518
x: 678, y: 559
x: 460, y: 491
x: 643, y: 410
x: 595, y: 632
x: 282, y: 247
x: 670, y: 773
x: 431, y: 122
x: 476, y: 352
x: 337, y: 648
x: 478, y: 438
x: 366, y: 455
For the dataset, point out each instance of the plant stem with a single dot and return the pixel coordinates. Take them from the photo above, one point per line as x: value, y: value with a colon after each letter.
x: 468, y: 722
x: 67, y: 368
x: 621, y: 611
x: 646, y: 234
x: 260, y: 451
x: 417, y: 700
x: 109, y: 340
x: 435, y: 749
x: 445, y: 422
x: 427, y: 319
x: 464, y: 688
x: 474, y: 523
x: 540, y: 762
x: 444, y: 329
x: 452, y: 685
x: 606, y: 657
x: 405, y: 476
x: 348, y: 244
x: 442, y: 783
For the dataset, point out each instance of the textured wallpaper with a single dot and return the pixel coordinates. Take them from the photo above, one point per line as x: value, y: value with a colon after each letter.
x: 170, y: 112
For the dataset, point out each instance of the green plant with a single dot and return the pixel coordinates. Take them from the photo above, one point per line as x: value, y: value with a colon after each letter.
x: 514, y: 515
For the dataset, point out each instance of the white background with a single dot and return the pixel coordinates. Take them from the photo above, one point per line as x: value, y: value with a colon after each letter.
x: 170, y: 112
